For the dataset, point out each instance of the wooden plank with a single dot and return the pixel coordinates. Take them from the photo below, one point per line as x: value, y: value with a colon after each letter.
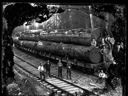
x: 69, y: 89
x: 63, y: 85
x: 52, y: 81
x: 60, y: 84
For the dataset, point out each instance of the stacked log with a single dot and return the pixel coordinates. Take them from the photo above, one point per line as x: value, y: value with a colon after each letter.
x: 62, y: 37
x: 84, y: 53
x: 67, y: 39
x: 86, y: 41
x: 29, y: 38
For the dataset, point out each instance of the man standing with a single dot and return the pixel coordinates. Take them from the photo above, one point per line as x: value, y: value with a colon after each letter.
x: 109, y: 62
x: 102, y: 76
x: 48, y: 65
x: 60, y: 65
x: 94, y: 43
x: 111, y: 74
x: 68, y: 70
x: 42, y: 71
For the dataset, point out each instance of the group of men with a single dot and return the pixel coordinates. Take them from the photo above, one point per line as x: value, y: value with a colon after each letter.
x: 46, y: 69
x: 108, y: 74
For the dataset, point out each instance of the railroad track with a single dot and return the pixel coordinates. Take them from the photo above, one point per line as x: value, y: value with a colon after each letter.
x: 54, y: 82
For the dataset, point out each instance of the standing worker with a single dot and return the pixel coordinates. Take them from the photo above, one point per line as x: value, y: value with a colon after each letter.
x: 111, y: 74
x: 68, y: 70
x: 94, y: 43
x: 48, y: 65
x: 102, y: 76
x: 109, y: 63
x: 42, y: 71
x: 60, y: 65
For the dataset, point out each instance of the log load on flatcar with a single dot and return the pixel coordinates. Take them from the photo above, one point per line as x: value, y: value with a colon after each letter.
x: 82, y: 53
x: 86, y: 41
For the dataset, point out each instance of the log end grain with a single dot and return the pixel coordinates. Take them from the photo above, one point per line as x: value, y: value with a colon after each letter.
x: 95, y: 55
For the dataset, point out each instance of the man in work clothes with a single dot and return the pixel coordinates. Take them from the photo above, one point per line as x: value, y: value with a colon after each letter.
x: 109, y: 62
x: 111, y: 74
x: 102, y: 76
x: 42, y: 71
x: 68, y: 70
x: 48, y: 65
x: 60, y: 65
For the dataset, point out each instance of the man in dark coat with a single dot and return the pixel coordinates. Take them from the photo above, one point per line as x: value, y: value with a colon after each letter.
x: 111, y: 75
x: 120, y: 55
x: 68, y: 70
x: 60, y: 65
x: 48, y: 65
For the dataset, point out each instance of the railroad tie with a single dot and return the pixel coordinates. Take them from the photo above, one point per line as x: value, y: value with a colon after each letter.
x: 51, y: 87
x: 55, y: 90
x: 63, y: 94
x: 45, y: 84
x: 38, y: 80
x: 48, y: 86
x: 59, y: 92
x: 47, y: 94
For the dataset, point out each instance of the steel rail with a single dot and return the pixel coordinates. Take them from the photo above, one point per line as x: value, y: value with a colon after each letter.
x: 86, y: 91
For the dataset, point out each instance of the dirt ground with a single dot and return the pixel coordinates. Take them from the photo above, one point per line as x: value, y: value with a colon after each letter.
x: 24, y: 85
x: 82, y: 79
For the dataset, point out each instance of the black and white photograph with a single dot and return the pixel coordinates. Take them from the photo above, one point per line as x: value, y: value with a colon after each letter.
x: 61, y: 49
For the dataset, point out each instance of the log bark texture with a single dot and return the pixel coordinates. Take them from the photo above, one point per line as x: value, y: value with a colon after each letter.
x: 84, y: 53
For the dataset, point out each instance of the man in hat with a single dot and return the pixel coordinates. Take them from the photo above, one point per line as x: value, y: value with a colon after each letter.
x: 68, y: 70
x: 60, y: 65
x: 111, y: 75
x: 94, y: 43
x: 102, y: 76
x: 48, y: 65
x: 42, y: 71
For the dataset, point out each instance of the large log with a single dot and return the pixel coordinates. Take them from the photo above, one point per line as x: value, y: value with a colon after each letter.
x: 56, y: 38
x: 67, y: 39
x: 29, y: 38
x: 84, y: 53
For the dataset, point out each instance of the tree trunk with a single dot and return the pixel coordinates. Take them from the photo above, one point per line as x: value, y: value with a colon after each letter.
x: 8, y: 62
